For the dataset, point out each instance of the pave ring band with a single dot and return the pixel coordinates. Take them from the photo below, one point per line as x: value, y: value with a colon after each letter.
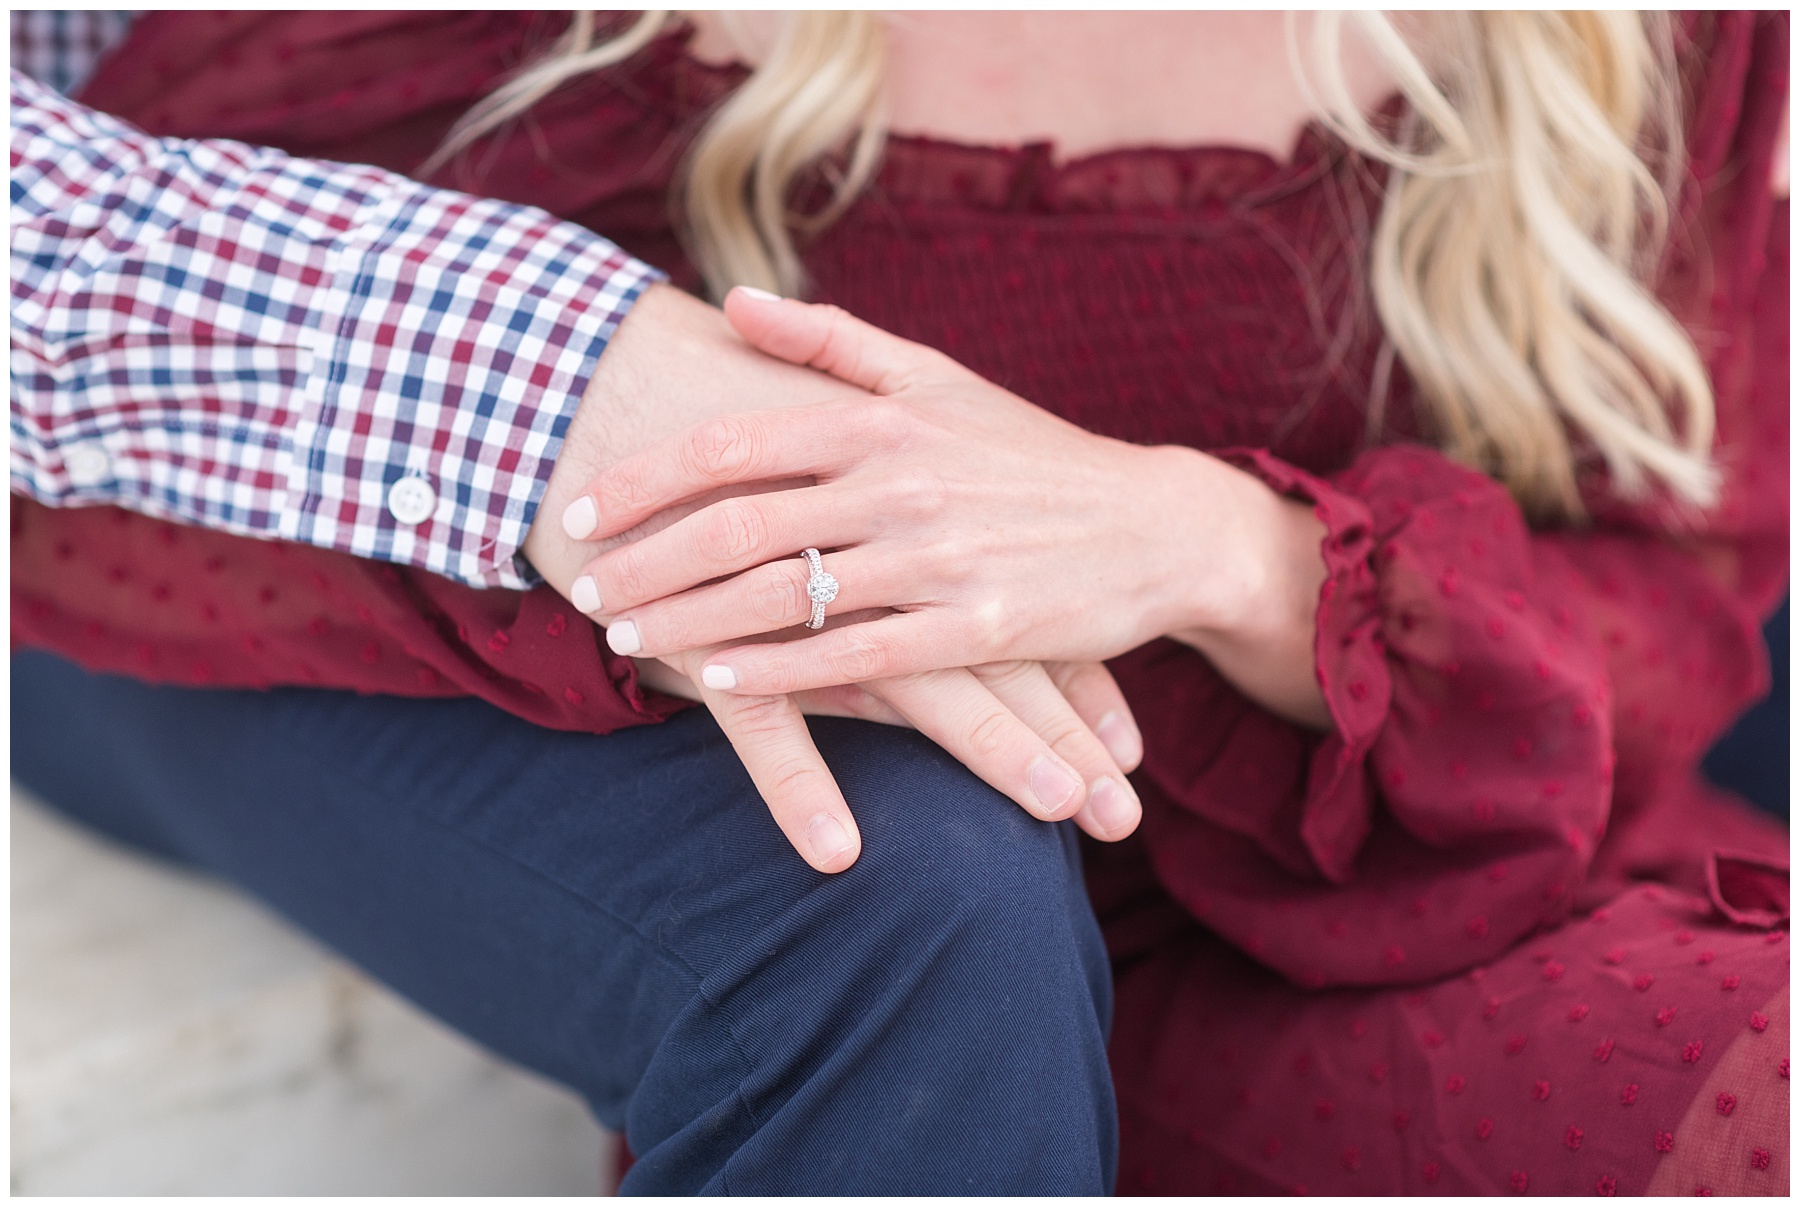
x: 821, y: 588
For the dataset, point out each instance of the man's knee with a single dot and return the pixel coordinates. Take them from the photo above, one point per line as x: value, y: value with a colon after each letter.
x: 961, y: 905
x: 947, y: 991
x: 941, y: 848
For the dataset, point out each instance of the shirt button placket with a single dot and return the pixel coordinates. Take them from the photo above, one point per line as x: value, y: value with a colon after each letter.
x: 411, y: 500
x: 88, y: 465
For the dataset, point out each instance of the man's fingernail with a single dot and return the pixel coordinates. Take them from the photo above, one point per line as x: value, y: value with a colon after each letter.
x: 579, y: 518
x: 584, y: 593
x: 1121, y: 739
x: 1114, y: 808
x: 722, y: 678
x: 827, y: 838
x: 1052, y: 784
x: 761, y: 295
x: 622, y: 636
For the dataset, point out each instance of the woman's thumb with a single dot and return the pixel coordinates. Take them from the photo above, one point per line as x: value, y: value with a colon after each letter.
x: 828, y: 339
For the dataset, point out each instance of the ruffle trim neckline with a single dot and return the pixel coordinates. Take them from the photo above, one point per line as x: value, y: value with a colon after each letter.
x: 943, y: 173
x: 1027, y: 179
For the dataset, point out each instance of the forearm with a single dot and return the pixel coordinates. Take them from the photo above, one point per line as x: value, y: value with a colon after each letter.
x: 231, y: 337
x: 1150, y: 541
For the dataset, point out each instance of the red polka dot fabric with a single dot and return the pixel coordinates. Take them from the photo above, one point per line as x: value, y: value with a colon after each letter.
x: 171, y: 604
x: 1490, y: 933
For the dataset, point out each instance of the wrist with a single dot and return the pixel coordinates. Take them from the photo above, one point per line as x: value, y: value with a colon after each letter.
x: 1281, y: 538
x: 1248, y: 597
x: 1247, y: 559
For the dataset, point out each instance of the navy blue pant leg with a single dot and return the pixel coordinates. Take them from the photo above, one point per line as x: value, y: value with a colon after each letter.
x: 621, y: 914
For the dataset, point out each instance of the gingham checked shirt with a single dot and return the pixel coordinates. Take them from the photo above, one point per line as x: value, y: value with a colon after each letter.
x: 227, y: 336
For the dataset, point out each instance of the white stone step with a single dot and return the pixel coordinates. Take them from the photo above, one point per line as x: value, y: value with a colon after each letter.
x: 170, y: 1036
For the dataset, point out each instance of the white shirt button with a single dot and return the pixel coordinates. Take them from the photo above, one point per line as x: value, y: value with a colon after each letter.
x: 411, y: 500
x: 88, y: 465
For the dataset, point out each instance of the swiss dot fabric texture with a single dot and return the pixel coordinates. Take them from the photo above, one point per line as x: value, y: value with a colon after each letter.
x: 1517, y: 712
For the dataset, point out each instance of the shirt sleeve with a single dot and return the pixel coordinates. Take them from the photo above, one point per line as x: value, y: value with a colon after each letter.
x: 60, y: 47
x: 227, y: 336
x: 1503, y: 700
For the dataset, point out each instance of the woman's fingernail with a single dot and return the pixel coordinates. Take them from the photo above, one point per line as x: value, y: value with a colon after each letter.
x: 722, y: 678
x: 579, y: 518
x: 584, y: 593
x: 1114, y: 808
x: 1121, y: 738
x: 1051, y: 784
x: 761, y: 295
x: 623, y: 637
x: 827, y: 838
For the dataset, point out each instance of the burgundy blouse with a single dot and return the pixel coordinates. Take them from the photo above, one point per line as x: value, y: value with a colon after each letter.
x: 1518, y: 713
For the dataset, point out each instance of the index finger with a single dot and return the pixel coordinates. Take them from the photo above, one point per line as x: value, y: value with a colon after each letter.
x: 728, y: 450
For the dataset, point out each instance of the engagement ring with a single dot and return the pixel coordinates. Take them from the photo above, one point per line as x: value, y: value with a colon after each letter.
x: 821, y: 588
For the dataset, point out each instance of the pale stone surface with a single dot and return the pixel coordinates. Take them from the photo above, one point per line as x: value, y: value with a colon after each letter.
x: 171, y: 1037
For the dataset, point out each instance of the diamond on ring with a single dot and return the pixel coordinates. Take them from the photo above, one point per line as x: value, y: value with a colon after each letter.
x: 821, y: 588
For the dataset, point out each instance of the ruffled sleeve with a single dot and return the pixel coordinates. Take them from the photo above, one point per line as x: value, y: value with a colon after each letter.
x: 1500, y: 698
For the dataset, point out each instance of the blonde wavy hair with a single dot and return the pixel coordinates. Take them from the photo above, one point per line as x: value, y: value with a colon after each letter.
x: 1511, y: 265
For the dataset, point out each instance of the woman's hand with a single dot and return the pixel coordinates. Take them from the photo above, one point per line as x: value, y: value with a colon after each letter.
x: 674, y: 362
x: 996, y: 531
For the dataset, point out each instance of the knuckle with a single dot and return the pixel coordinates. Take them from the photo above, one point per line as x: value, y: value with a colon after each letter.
x: 838, y: 328
x: 1068, y: 737
x: 921, y: 497
x: 861, y: 657
x: 625, y: 579
x: 791, y: 779
x: 989, y: 735
x: 733, y: 531
x: 958, y: 558
x: 989, y: 625
x: 722, y: 449
x: 939, y: 562
x: 762, y: 717
x: 666, y: 629
x: 1074, y: 677
x: 1014, y: 674
x: 863, y: 704
x: 774, y: 598
x: 623, y: 491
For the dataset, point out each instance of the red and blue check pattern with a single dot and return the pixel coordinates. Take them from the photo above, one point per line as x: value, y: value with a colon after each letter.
x: 247, y: 341
x: 59, y: 46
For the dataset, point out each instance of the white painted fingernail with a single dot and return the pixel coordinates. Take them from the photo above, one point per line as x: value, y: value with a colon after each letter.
x: 1052, y: 784
x: 623, y: 637
x: 827, y: 837
x: 720, y: 678
x: 579, y: 518
x: 1121, y: 738
x: 584, y: 593
x: 761, y: 295
x: 1114, y: 808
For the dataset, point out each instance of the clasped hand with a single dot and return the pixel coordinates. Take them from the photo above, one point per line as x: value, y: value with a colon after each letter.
x: 988, y: 528
x: 1056, y: 736
x: 980, y: 543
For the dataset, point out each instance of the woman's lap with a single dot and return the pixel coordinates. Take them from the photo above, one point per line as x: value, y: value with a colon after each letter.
x: 1589, y: 1059
x: 620, y: 913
